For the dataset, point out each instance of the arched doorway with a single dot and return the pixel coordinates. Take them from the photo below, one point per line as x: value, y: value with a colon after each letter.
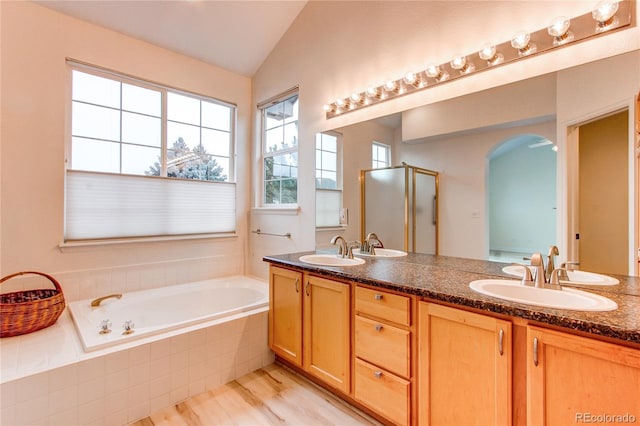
x: 521, y: 197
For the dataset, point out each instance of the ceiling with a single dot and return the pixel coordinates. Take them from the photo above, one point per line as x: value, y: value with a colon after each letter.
x: 236, y: 35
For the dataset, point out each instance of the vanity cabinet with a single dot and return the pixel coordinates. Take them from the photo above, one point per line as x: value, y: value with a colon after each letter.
x: 464, y: 367
x: 573, y: 379
x: 382, y: 349
x: 326, y: 330
x: 309, y: 324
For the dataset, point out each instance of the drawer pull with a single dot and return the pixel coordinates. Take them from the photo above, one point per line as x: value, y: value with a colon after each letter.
x: 378, y: 374
x: 501, y: 342
x: 378, y: 327
x: 535, y: 351
x: 378, y: 296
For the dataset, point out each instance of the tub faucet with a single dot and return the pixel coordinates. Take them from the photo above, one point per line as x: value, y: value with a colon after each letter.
x: 342, y: 248
x: 367, y: 246
x: 96, y: 302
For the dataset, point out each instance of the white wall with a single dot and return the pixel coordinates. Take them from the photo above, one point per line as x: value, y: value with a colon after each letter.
x: 35, y: 91
x: 335, y: 48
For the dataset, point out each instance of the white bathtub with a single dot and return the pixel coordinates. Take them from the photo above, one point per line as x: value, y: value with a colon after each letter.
x: 168, y: 308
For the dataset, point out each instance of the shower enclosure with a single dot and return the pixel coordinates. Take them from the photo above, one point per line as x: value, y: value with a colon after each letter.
x: 400, y: 204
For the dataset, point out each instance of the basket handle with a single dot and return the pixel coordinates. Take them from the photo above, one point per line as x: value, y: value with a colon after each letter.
x: 49, y: 277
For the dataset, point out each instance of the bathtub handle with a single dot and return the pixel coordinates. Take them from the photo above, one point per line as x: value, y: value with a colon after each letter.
x: 297, y: 284
x: 306, y: 289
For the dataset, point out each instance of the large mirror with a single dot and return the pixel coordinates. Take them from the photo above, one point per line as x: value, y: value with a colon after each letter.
x: 508, y: 162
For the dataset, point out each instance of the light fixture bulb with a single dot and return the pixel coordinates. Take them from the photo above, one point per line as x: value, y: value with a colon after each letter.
x: 410, y: 78
x: 372, y: 92
x: 327, y: 108
x: 604, y: 14
x: 522, y: 42
x: 488, y: 53
x: 434, y: 71
x: 390, y: 86
x: 559, y: 30
x: 356, y: 97
x: 460, y: 63
x: 340, y: 102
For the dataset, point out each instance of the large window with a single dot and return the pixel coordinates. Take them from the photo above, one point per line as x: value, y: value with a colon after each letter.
x: 146, y: 160
x: 328, y: 179
x: 280, y: 151
x: 380, y: 155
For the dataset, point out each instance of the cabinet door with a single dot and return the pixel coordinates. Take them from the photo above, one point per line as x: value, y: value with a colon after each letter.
x: 572, y: 380
x: 285, y: 314
x: 327, y: 331
x: 464, y: 367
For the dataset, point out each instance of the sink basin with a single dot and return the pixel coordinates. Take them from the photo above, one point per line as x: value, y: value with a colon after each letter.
x: 330, y: 260
x: 575, y: 277
x: 382, y: 252
x: 567, y: 298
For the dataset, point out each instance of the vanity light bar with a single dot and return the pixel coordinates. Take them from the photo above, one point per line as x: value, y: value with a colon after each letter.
x: 607, y: 16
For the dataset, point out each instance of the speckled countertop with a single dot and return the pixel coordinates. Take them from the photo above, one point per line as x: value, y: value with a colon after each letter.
x: 447, y: 279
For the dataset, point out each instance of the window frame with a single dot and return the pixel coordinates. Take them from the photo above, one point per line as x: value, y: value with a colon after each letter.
x: 264, y: 154
x: 216, y: 186
x: 379, y: 164
x: 339, y: 177
x: 164, y: 90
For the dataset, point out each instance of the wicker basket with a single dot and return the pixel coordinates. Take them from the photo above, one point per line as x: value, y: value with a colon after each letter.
x: 24, y: 312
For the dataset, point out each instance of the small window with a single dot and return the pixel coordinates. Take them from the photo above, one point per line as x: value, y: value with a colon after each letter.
x: 280, y: 151
x: 380, y: 155
x: 328, y: 179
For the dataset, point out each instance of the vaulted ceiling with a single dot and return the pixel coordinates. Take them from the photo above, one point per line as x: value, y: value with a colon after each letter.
x: 236, y: 35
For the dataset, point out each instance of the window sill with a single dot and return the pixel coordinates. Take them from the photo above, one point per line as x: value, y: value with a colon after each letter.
x: 292, y: 210
x: 66, y: 245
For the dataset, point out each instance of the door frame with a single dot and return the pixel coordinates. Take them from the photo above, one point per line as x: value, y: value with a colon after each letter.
x: 568, y: 184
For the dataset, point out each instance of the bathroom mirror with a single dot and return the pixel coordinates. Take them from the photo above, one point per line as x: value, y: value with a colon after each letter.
x: 459, y: 138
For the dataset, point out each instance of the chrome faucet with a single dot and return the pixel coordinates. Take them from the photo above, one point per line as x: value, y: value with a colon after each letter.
x: 98, y: 301
x: 342, y: 248
x: 367, y: 246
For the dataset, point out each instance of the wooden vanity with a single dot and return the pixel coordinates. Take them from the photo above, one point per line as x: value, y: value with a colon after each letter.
x: 410, y: 343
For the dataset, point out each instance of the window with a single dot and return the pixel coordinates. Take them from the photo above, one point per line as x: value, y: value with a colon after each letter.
x: 328, y: 179
x: 280, y: 151
x: 380, y: 155
x: 127, y: 137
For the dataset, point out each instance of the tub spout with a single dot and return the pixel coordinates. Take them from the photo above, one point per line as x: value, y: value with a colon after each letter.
x: 96, y: 302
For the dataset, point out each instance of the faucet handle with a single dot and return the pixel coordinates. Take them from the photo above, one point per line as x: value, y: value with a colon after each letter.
x: 554, y: 281
x: 351, y: 246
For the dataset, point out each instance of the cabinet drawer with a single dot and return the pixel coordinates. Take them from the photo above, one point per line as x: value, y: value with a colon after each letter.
x: 382, y: 392
x: 383, y: 345
x: 380, y: 304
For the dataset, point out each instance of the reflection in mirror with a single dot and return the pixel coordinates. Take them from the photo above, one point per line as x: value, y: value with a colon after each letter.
x: 399, y: 205
x: 522, y: 197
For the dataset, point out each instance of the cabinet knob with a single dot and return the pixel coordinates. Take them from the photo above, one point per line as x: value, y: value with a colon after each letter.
x: 378, y: 327
x: 378, y: 374
x: 377, y: 296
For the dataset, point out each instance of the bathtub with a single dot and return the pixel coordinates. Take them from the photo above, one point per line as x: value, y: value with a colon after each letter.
x: 159, y: 310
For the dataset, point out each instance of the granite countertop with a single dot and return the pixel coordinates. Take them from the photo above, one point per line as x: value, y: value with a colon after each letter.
x: 447, y: 279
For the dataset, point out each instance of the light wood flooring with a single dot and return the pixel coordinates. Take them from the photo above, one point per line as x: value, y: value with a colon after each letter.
x: 273, y: 395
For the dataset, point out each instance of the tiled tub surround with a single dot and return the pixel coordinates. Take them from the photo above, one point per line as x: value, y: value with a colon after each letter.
x: 447, y: 279
x: 47, y: 378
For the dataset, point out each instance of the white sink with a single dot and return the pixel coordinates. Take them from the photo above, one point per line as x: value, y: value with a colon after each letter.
x: 567, y: 298
x: 330, y: 260
x: 382, y: 252
x: 575, y: 277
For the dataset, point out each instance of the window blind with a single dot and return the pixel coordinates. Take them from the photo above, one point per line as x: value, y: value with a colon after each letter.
x: 328, y: 205
x: 101, y: 206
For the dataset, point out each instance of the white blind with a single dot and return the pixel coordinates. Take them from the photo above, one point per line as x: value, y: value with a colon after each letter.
x: 100, y: 205
x: 328, y: 204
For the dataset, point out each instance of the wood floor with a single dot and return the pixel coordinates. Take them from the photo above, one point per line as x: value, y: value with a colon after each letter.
x: 272, y: 395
